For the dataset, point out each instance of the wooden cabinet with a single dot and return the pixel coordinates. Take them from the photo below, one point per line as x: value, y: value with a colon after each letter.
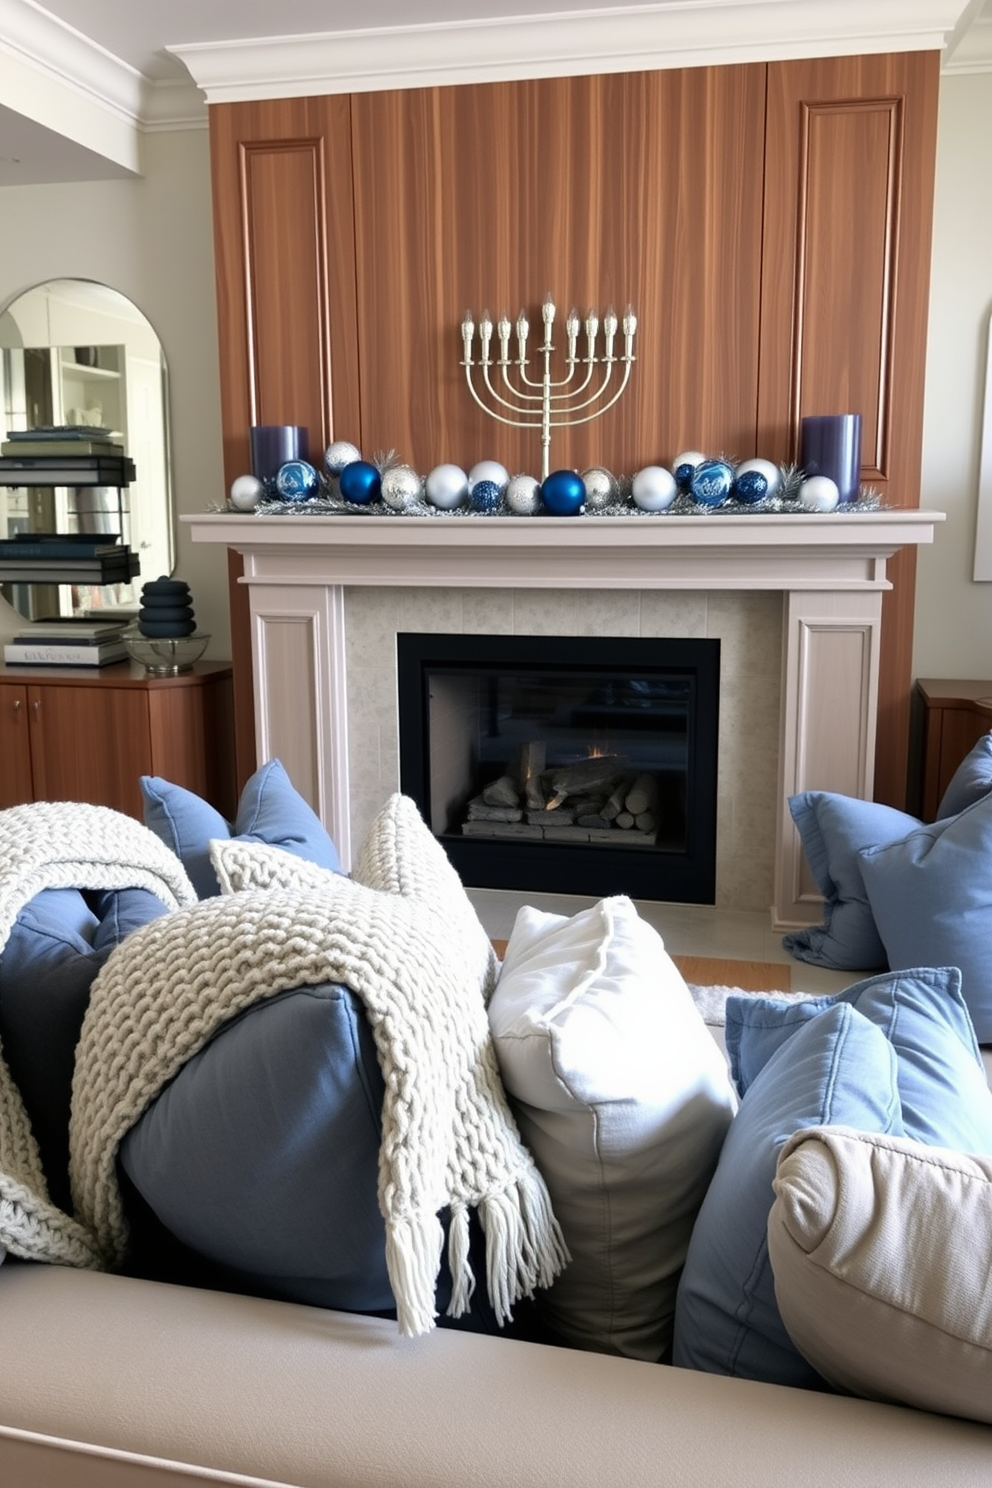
x: 954, y: 716
x: 87, y: 736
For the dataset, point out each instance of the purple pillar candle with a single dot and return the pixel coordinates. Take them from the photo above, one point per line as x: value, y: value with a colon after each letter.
x: 273, y: 444
x: 831, y: 445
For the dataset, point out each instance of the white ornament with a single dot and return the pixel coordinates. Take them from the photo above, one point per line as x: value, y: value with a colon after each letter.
x: 446, y: 486
x: 400, y: 487
x: 339, y: 454
x: 767, y: 468
x: 490, y: 470
x: 688, y: 457
x: 653, y: 488
x: 246, y: 492
x: 819, y: 493
x: 523, y: 495
x: 602, y: 488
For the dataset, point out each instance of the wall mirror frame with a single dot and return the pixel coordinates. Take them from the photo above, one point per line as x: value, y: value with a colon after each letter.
x: 76, y: 353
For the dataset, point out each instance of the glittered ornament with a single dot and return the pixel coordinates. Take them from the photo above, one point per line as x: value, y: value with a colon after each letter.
x: 766, y: 468
x: 246, y: 492
x: 563, y: 493
x: 484, y: 496
x: 523, y: 495
x: 712, y: 482
x: 489, y: 470
x: 360, y: 482
x: 339, y: 454
x: 819, y: 493
x: 296, y: 480
x: 446, y: 487
x: 684, y: 464
x: 653, y: 488
x: 602, y: 488
x: 750, y: 486
x: 400, y: 487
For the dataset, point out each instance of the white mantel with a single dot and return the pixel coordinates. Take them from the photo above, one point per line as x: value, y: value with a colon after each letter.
x: 829, y: 568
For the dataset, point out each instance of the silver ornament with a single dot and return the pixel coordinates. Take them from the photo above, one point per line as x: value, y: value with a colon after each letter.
x: 339, y: 454
x: 654, y: 488
x: 446, y: 487
x: 523, y: 495
x: 400, y: 487
x: 819, y: 493
x: 602, y: 488
x: 246, y: 492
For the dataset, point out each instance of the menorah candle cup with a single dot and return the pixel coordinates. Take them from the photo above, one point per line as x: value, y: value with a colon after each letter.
x: 831, y: 446
x: 273, y: 445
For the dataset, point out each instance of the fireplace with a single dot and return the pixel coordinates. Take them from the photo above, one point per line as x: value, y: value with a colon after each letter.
x: 799, y: 668
x: 587, y: 762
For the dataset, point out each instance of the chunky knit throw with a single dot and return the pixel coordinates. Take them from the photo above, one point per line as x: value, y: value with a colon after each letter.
x: 47, y: 845
x: 403, y: 935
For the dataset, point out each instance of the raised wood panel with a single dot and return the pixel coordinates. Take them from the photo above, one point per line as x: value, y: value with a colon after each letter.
x: 284, y: 247
x: 848, y: 210
x: 112, y: 745
x: 641, y: 188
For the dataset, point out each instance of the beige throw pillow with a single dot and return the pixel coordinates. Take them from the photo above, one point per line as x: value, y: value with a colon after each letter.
x: 624, y: 1099
x: 880, y: 1248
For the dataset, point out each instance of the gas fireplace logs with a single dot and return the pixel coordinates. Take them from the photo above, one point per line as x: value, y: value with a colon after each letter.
x: 599, y: 799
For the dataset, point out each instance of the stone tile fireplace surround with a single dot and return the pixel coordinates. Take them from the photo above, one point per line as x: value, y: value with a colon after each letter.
x: 794, y: 598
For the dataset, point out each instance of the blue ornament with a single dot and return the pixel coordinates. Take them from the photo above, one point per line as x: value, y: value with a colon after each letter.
x: 563, y: 493
x: 360, y: 482
x: 683, y: 465
x: 296, y: 480
x: 751, y: 486
x: 484, y: 496
x: 712, y: 482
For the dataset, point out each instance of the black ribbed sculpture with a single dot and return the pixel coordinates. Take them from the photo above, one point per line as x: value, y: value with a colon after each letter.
x: 166, y: 609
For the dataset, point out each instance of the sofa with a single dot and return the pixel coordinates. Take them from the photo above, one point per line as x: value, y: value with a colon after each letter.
x: 686, y: 1315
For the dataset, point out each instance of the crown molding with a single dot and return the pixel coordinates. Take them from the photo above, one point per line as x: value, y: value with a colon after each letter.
x: 972, y: 51
x: 674, y: 33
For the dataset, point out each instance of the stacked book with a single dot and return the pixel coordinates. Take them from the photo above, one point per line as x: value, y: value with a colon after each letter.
x: 66, y: 642
x: 66, y: 558
x: 74, y: 455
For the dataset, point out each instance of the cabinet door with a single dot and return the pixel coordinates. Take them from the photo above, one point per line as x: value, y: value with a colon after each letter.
x: 89, y: 744
x: 16, y: 782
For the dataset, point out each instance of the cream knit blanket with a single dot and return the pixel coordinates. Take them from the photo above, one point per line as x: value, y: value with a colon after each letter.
x: 47, y: 845
x: 403, y: 935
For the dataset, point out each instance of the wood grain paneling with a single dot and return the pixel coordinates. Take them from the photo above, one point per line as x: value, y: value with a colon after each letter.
x: 284, y: 247
x: 848, y: 207
x: 642, y: 188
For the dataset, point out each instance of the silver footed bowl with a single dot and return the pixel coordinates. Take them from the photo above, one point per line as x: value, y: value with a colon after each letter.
x: 165, y: 656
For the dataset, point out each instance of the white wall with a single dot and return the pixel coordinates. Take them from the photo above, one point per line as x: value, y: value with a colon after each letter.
x: 953, y: 634
x: 152, y: 239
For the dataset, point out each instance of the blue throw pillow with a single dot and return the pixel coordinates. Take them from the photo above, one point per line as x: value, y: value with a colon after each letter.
x: 262, y: 1156
x: 58, y: 943
x: 931, y: 898
x: 943, y: 1091
x: 837, y: 1069
x: 833, y: 829
x: 271, y: 810
x: 970, y: 782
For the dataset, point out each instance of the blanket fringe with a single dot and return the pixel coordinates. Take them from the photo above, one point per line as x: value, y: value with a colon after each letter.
x: 462, y: 1280
x: 413, y: 1255
x: 525, y: 1248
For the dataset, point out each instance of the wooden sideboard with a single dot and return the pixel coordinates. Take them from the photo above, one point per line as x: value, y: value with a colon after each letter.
x: 955, y: 715
x: 87, y: 735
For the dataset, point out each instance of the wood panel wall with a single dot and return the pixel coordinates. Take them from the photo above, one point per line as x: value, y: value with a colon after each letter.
x: 769, y: 224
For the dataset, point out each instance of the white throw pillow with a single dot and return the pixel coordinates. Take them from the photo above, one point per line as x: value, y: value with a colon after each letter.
x: 880, y: 1249
x: 624, y: 1100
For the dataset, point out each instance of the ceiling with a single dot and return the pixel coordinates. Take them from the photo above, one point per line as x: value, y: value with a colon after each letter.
x: 83, y: 80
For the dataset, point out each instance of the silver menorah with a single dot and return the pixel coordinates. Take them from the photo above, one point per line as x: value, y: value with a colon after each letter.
x: 562, y: 402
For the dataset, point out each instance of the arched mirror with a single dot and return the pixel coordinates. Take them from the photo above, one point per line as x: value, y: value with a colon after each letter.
x: 80, y: 357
